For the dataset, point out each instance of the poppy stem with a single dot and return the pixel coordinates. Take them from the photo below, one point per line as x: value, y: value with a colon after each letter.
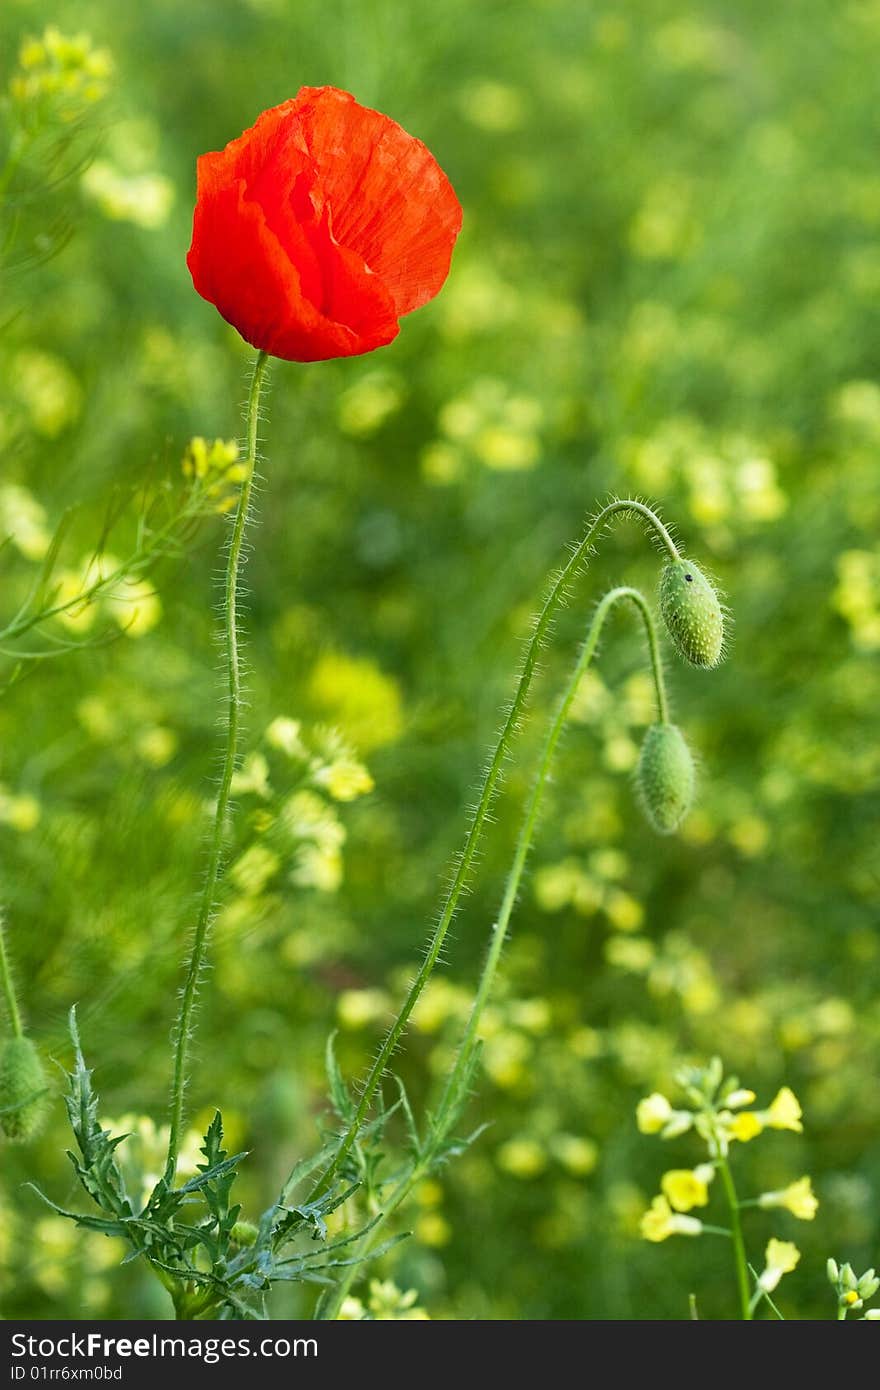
x: 8, y: 984
x: 184, y: 1024
x: 556, y: 597
x: 457, y: 1087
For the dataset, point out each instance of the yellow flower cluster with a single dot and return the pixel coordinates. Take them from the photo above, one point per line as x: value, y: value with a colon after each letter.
x: 655, y: 1115
x: 720, y: 1111
x: 498, y: 428
x: 216, y: 470
x: 783, y: 1112
x: 385, y: 1303
x: 853, y: 1290
x: 856, y: 596
x: 143, y: 1151
x: 298, y: 830
x: 102, y: 586
x: 60, y: 66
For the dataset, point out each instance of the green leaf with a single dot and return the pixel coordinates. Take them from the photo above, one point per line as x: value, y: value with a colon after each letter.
x: 306, y: 1166
x: 339, y: 1093
x: 415, y: 1143
x: 97, y: 1169
x: 210, y: 1175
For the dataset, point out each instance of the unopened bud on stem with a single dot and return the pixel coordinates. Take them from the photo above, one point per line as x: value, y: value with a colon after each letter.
x: 692, y: 613
x: 665, y: 777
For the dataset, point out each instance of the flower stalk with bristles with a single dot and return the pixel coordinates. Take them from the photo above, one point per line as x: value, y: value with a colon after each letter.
x: 22, y: 1078
x: 456, y: 1088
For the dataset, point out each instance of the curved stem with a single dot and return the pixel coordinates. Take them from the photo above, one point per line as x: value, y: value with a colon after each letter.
x: 653, y: 652
x: 183, y: 1026
x: 456, y: 1084
x: 739, y: 1249
x: 449, y: 1099
x: 8, y: 985
x: 555, y: 598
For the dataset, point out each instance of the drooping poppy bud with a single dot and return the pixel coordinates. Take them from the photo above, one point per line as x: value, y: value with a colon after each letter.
x: 318, y: 228
x: 692, y: 613
x: 665, y: 777
x: 22, y: 1090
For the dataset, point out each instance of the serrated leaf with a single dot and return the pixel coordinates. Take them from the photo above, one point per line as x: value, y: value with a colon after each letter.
x: 97, y: 1170
x: 415, y: 1142
x: 212, y: 1145
x: 210, y: 1175
x: 306, y: 1166
x: 105, y: 1225
x: 369, y: 1255
x: 339, y: 1093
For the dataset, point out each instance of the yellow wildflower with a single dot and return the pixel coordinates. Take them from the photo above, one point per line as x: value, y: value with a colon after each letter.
x: 345, y: 780
x: 798, y: 1198
x: 522, y: 1157
x: 284, y: 734
x: 388, y: 1303
x: 433, y: 1229
x: 352, y: 1310
x: 660, y: 1221
x: 784, y: 1112
x: 685, y: 1187
x: 780, y: 1257
x: 745, y: 1126
x: 652, y: 1113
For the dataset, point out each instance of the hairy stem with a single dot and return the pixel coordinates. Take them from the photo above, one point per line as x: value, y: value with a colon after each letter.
x: 554, y: 601
x: 8, y: 984
x: 739, y: 1249
x: 451, y: 1094
x: 453, y: 1091
x: 183, y: 1026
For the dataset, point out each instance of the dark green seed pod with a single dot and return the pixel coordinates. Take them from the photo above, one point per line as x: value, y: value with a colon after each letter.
x: 665, y: 777
x: 22, y: 1090
x: 692, y: 613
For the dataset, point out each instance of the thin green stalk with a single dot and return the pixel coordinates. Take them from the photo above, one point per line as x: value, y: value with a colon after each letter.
x: 452, y: 1091
x: 739, y: 1249
x: 554, y: 601
x: 148, y: 549
x: 9, y: 985
x: 514, y: 878
x: 23, y: 622
x: 183, y: 1027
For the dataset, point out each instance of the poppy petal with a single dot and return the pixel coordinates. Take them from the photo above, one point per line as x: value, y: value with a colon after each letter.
x: 391, y: 201
x: 321, y: 225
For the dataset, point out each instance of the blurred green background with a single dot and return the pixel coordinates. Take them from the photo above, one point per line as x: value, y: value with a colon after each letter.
x: 668, y: 283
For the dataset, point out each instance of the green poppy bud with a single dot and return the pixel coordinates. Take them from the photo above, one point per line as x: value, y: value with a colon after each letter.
x: 244, y: 1233
x: 692, y: 613
x: 665, y: 777
x: 22, y: 1090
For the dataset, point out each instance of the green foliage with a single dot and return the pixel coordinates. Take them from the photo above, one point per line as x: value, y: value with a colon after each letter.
x: 191, y: 1234
x: 667, y: 284
x: 22, y: 1090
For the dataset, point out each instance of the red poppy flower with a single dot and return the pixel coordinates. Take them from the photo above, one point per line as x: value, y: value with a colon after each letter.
x: 319, y: 227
